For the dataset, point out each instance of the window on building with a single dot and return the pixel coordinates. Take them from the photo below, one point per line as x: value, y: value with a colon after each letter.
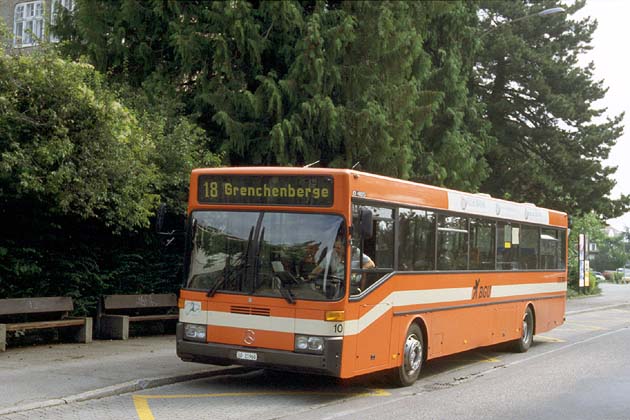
x: 28, y: 23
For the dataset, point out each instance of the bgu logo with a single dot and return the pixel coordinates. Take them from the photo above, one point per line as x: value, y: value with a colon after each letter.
x: 481, y: 292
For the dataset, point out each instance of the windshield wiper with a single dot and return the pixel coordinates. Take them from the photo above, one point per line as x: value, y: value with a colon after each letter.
x: 286, y: 293
x: 286, y: 281
x: 230, y: 276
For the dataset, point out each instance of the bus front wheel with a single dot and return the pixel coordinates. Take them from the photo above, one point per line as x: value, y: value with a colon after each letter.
x: 412, y: 357
x: 527, y: 332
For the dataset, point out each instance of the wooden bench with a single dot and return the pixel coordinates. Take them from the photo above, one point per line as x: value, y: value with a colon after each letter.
x: 115, y: 312
x: 39, y: 313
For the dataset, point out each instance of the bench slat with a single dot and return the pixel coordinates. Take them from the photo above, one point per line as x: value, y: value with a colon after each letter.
x: 35, y: 305
x: 45, y: 324
x: 139, y: 301
x: 153, y: 317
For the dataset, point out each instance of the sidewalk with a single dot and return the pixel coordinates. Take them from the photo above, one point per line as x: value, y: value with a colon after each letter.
x: 613, y: 295
x: 47, y: 375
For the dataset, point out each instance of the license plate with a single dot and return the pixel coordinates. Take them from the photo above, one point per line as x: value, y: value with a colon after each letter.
x: 246, y: 355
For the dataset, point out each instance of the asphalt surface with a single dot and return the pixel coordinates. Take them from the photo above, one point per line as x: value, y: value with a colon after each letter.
x: 49, y: 375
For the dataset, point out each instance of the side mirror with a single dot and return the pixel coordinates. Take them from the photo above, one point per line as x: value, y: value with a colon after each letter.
x: 365, y: 223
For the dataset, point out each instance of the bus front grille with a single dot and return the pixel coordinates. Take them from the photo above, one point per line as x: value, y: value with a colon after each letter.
x: 250, y: 310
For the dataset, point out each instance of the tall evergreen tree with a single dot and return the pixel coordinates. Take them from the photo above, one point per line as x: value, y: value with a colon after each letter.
x: 293, y: 82
x: 450, y: 151
x: 541, y: 104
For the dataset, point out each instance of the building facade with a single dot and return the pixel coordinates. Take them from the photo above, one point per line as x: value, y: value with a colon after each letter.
x: 29, y: 21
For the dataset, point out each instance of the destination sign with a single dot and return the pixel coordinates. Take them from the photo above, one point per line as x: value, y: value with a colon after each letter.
x: 268, y: 190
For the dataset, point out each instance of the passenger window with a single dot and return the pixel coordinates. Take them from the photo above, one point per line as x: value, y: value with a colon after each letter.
x: 416, y: 251
x: 550, y: 248
x: 482, y: 247
x: 508, y: 240
x: 528, y: 252
x: 378, y: 251
x: 452, y: 243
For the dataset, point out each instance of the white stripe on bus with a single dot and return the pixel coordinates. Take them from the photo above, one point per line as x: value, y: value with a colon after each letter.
x: 353, y: 327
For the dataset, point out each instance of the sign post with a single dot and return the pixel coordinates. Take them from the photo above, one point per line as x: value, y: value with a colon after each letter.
x: 581, y: 265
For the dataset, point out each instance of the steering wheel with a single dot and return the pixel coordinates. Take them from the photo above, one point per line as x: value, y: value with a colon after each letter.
x: 331, y: 286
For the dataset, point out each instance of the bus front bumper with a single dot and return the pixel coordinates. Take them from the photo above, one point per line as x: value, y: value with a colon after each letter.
x: 328, y: 363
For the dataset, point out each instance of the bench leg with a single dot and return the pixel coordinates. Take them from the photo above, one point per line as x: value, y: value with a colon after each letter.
x: 114, y: 326
x: 84, y: 334
x: 3, y: 337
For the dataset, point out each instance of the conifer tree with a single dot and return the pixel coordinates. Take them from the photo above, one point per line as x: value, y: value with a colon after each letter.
x: 293, y: 82
x: 541, y: 105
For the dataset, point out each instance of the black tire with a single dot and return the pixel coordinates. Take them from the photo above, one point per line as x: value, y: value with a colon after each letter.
x: 527, y: 333
x: 412, y: 357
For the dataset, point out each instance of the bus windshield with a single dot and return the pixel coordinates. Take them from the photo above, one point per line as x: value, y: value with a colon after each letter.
x: 286, y: 255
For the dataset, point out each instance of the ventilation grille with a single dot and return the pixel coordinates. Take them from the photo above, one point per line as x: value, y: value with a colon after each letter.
x: 248, y: 310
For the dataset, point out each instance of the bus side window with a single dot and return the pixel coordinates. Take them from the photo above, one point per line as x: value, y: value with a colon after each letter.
x: 482, y: 247
x: 507, y: 246
x: 452, y: 243
x: 379, y: 248
x: 416, y: 248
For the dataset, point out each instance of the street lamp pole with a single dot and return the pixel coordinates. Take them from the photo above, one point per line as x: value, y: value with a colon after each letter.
x: 542, y: 13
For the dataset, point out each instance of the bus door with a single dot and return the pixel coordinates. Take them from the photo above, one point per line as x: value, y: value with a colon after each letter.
x: 372, y: 255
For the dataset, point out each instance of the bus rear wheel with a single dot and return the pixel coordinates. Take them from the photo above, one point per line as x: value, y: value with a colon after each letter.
x: 412, y: 357
x: 527, y: 333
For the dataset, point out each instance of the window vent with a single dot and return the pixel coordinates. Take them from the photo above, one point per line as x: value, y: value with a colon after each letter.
x: 248, y: 310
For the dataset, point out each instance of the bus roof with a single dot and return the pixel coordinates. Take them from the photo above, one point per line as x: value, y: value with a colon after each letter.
x: 391, y: 190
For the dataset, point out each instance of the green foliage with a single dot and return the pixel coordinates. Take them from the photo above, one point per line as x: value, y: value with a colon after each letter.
x: 288, y: 83
x: 66, y: 142
x: 612, y: 254
x: 80, y: 175
x: 61, y: 258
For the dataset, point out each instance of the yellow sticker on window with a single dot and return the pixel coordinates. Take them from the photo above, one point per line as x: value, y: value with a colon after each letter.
x: 508, y: 245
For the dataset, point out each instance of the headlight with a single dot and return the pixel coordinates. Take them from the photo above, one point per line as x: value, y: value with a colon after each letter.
x: 309, y: 344
x: 195, y: 332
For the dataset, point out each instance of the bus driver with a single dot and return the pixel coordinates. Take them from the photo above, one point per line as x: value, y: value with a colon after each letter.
x: 336, y: 262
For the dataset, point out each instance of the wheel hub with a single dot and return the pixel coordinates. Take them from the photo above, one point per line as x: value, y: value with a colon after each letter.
x: 413, y: 354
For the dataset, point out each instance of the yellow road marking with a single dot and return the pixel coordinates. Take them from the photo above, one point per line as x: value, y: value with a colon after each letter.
x: 484, y: 359
x: 143, y: 410
x: 546, y: 339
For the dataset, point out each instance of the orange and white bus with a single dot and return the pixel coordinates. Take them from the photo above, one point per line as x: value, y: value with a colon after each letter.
x: 273, y: 279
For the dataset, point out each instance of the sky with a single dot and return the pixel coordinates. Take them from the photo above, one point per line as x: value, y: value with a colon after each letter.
x: 612, y: 61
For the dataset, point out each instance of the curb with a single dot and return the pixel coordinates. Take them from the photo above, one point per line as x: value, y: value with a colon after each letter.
x: 597, y: 308
x: 123, y: 388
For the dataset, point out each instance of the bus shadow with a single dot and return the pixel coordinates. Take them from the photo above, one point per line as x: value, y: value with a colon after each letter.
x: 267, y: 381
